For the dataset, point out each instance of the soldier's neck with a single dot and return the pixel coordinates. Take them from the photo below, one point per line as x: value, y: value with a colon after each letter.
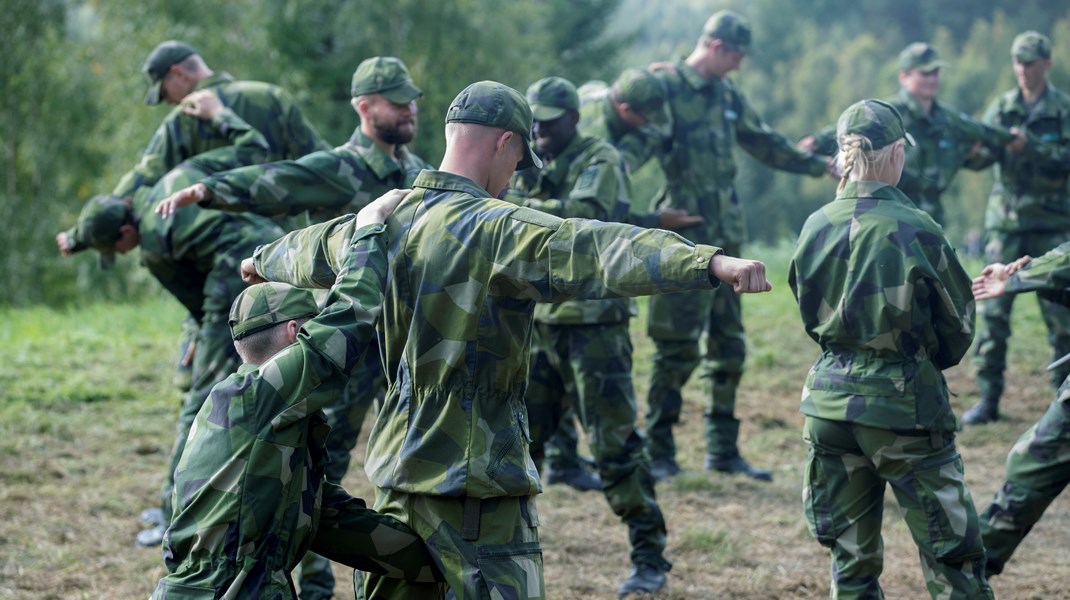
x: 1032, y: 95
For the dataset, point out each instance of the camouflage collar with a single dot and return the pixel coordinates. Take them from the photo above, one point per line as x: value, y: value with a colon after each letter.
x: 691, y: 76
x: 1018, y: 101
x: 872, y: 189
x: 907, y: 105
x: 380, y: 163
x: 443, y: 180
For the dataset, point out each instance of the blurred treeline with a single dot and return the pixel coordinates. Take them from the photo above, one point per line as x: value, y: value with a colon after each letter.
x: 73, y: 119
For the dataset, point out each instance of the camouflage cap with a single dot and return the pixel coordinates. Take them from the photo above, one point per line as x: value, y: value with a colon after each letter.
x: 550, y: 97
x: 495, y: 105
x: 98, y: 226
x: 729, y: 27
x: 920, y: 56
x: 878, y: 121
x: 159, y: 63
x: 387, y: 76
x: 1031, y: 45
x: 645, y: 94
x: 265, y: 305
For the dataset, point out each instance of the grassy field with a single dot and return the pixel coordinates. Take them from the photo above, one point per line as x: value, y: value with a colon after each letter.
x: 86, y: 422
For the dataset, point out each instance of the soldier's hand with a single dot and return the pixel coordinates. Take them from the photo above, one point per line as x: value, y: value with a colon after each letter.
x: 1018, y: 144
x: 1017, y: 265
x: 202, y: 104
x: 379, y: 209
x: 675, y: 219
x: 807, y: 144
x: 746, y: 276
x: 63, y: 242
x: 992, y: 281
x: 249, y: 274
x: 187, y: 358
x: 184, y: 197
x: 663, y: 66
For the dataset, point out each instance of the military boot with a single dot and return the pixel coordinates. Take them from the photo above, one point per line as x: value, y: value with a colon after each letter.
x: 985, y: 411
x: 644, y: 579
x: 577, y: 478
x: 722, y: 431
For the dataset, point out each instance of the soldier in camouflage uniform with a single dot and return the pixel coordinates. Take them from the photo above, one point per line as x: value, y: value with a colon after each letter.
x: 194, y: 256
x: 250, y: 493
x: 449, y: 450
x: 946, y: 139
x: 709, y: 118
x: 1028, y: 210
x: 581, y: 350
x: 882, y: 291
x: 1038, y: 467
x: 326, y: 184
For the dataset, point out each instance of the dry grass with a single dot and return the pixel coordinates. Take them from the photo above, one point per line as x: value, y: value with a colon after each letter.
x: 86, y: 421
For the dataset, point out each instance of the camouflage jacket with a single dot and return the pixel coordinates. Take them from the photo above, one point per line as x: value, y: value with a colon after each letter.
x: 181, y: 251
x: 268, y: 108
x: 882, y: 291
x: 249, y: 487
x: 465, y: 274
x: 599, y: 119
x: 587, y: 182
x: 1031, y: 193
x: 327, y: 184
x: 1048, y: 275
x: 945, y: 142
x: 710, y: 117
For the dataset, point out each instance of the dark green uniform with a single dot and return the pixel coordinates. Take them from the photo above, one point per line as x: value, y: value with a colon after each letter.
x: 250, y: 494
x: 710, y: 118
x: 881, y: 290
x: 1028, y: 213
x: 1038, y: 466
x: 582, y: 351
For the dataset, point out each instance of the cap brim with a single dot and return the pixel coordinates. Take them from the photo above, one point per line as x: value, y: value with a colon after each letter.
x: 931, y: 66
x: 531, y: 159
x: 402, y: 94
x: 152, y: 96
x: 542, y: 112
x: 909, y: 138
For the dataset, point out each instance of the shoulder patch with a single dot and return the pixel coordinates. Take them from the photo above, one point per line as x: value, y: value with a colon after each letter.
x: 537, y: 217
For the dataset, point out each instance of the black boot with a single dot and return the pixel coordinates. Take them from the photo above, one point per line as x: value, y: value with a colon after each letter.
x: 644, y: 579
x: 985, y: 411
x: 736, y: 464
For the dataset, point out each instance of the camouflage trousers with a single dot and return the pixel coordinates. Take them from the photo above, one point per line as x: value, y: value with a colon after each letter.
x: 589, y: 368
x: 676, y: 323
x: 487, y: 549
x: 1038, y: 470
x: 995, y: 314
x: 183, y: 376
x: 345, y: 417
x: 847, y: 469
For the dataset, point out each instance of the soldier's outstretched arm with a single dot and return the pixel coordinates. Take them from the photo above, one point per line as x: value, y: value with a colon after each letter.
x: 311, y: 257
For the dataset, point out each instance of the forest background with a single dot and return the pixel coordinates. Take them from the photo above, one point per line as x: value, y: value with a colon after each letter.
x: 73, y: 120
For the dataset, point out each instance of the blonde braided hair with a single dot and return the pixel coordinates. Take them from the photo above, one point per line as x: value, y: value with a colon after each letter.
x: 857, y: 159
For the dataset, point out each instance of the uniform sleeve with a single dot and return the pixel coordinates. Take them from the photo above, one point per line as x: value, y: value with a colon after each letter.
x: 289, y: 187
x: 637, y: 147
x: 330, y: 343
x: 301, y: 137
x: 992, y: 138
x: 592, y: 197
x: 1049, y: 273
x: 771, y: 147
x: 987, y: 155
x: 825, y: 138
x: 588, y: 260
x: 953, y: 307
x: 308, y: 257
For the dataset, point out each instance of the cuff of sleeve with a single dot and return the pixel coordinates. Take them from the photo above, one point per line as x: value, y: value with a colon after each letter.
x: 701, y: 261
x: 76, y: 246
